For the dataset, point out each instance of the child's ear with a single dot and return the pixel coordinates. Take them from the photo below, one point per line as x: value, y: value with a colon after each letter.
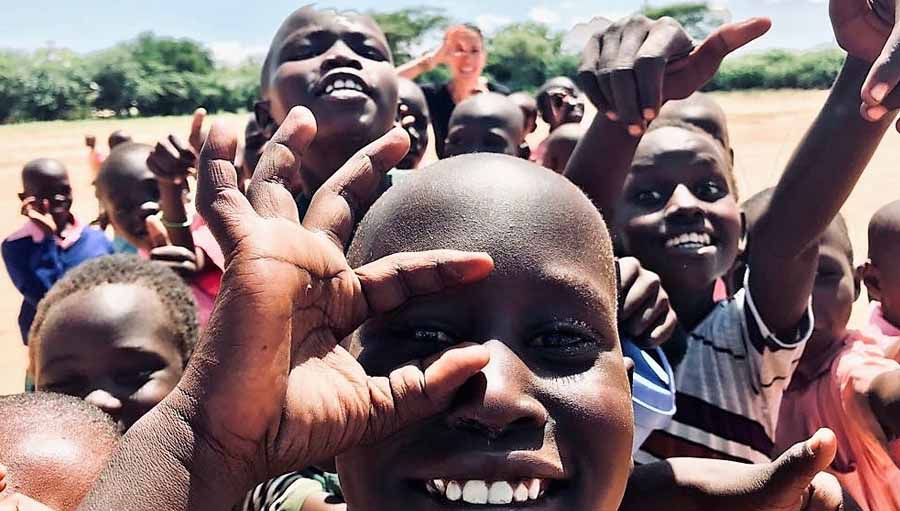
x: 262, y: 109
x: 870, y: 276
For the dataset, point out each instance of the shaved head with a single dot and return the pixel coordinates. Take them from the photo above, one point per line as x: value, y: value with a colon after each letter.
x: 54, y: 446
x: 522, y: 214
x: 884, y: 234
x: 36, y: 174
x: 700, y: 110
x: 485, y: 123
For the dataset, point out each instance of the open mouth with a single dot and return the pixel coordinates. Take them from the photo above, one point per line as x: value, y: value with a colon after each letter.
x: 343, y: 86
x: 691, y: 241
x: 480, y: 492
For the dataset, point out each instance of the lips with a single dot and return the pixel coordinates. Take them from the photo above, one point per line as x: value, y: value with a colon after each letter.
x: 477, y: 491
x: 342, y: 84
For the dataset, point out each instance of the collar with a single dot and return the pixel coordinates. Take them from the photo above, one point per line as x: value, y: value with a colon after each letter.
x: 70, y: 235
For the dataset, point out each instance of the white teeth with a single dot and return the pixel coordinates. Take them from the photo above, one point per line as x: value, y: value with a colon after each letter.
x: 475, y: 492
x: 500, y: 493
x: 521, y: 494
x: 329, y: 89
x: 340, y: 84
x: 693, y: 237
x: 534, y: 489
x: 439, y: 485
x: 454, y: 492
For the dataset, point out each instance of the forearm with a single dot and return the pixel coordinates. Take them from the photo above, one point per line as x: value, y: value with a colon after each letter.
x: 415, y: 67
x: 884, y: 400
x: 174, y: 213
x: 601, y: 161
x: 686, y: 484
x: 816, y: 183
x: 162, y: 464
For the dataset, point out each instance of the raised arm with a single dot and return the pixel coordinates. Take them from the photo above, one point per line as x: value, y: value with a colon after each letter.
x: 628, y: 71
x: 816, y: 183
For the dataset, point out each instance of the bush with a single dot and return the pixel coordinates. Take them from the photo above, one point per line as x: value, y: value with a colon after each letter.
x: 778, y: 69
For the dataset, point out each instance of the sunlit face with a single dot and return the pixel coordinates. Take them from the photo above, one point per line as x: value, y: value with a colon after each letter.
x: 467, y: 56
x: 112, y: 345
x: 481, y: 135
x: 547, y: 424
x: 130, y: 194
x: 412, y: 113
x: 677, y: 213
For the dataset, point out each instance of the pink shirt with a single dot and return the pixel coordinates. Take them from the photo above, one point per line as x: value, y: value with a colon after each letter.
x: 866, y: 463
x: 880, y: 329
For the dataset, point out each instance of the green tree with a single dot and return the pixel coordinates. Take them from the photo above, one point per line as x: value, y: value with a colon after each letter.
x: 522, y: 56
x: 698, y: 18
x: 405, y: 29
x: 55, y: 85
x: 11, y: 65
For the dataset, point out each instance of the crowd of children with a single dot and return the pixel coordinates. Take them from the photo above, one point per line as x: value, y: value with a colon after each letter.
x: 314, y: 319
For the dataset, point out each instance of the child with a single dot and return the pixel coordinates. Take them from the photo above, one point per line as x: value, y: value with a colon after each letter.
x: 559, y: 102
x: 485, y: 123
x: 52, y: 447
x: 131, y: 194
x: 338, y: 65
x: 254, y: 141
x: 833, y: 385
x: 414, y: 118
x: 135, y: 326
x: 95, y: 156
x: 503, y: 400
x: 702, y: 111
x: 559, y: 146
x: 528, y: 106
x: 882, y: 278
x: 51, y: 241
x: 676, y: 211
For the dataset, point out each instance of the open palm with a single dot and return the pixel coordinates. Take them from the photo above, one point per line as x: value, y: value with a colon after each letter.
x: 276, y: 389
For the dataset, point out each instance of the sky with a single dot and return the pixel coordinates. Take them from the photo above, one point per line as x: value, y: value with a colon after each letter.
x: 235, y: 29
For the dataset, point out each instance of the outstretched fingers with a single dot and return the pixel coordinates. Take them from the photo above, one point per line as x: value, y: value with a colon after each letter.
x: 277, y: 177
x: 219, y: 200
x: 688, y: 74
x: 795, y: 470
x: 343, y: 200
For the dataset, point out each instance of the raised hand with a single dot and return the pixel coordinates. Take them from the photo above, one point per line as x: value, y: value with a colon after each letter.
x: 171, y: 161
x: 275, y: 389
x: 197, y: 136
x: 38, y: 212
x: 645, y: 315
x: 635, y: 65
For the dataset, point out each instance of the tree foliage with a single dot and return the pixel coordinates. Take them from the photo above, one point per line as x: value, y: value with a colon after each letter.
x: 407, y: 28
x: 698, y: 18
x: 523, y: 56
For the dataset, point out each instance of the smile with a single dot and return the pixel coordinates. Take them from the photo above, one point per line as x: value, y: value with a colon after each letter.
x: 476, y: 491
x: 343, y: 86
x: 690, y: 241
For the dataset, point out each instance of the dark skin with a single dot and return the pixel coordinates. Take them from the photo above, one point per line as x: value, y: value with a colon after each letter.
x: 312, y: 50
x: 700, y: 110
x: 559, y: 102
x: 126, y: 359
x: 560, y: 145
x: 831, y: 157
x: 412, y: 113
x: 245, y: 411
x: 47, y: 195
x: 117, y: 138
x: 528, y: 105
x: 879, y: 273
x: 485, y: 123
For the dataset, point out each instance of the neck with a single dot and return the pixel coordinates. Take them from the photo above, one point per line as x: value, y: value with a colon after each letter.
x: 319, y: 166
x: 890, y: 316
x: 461, y: 88
x: 692, y: 305
x: 62, y: 221
x: 819, y: 350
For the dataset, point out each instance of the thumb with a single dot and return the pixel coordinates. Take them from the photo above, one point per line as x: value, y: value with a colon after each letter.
x: 196, y: 136
x: 885, y: 73
x: 156, y: 232
x: 795, y: 470
x: 684, y: 76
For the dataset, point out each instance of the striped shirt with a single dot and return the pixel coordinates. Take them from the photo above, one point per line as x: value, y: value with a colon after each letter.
x: 729, y: 387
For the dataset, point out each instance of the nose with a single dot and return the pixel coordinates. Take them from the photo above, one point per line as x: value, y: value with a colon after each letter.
x: 498, y: 402
x: 683, y: 206
x: 105, y: 401
x: 340, y: 55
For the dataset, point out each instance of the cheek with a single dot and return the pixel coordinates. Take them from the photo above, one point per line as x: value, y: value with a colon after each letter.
x: 155, y: 390
x: 638, y: 231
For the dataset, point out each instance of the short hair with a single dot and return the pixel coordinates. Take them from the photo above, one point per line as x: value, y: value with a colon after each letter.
x: 174, y: 294
x: 119, y: 157
x: 542, y: 96
x: 693, y: 128
x: 118, y: 137
x: 21, y: 414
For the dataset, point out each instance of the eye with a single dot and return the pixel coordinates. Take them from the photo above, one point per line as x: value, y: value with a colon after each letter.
x: 372, y: 53
x: 133, y: 378
x: 648, y: 198
x: 567, y: 341
x: 70, y: 386
x: 710, y: 191
x: 432, y: 335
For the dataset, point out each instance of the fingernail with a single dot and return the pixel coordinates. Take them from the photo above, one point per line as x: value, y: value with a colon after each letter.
x: 649, y: 114
x: 879, y: 92
x: 876, y: 112
x: 612, y: 116
x: 635, y: 130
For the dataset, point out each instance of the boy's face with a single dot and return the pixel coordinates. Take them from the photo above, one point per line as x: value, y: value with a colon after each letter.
x: 835, y: 287
x: 552, y: 410
x: 563, y: 104
x: 676, y: 213
x: 129, y: 197
x: 112, y: 345
x: 338, y: 66
x: 467, y: 57
x: 473, y: 134
x: 52, y: 186
x: 413, y: 116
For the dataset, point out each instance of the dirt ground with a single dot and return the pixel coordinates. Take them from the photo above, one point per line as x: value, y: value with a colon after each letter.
x: 765, y: 127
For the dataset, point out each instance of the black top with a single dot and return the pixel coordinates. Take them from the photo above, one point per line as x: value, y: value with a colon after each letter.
x: 441, y: 105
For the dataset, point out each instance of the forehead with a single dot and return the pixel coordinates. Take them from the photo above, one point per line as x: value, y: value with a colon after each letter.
x: 308, y: 20
x: 834, y: 244
x: 676, y: 146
